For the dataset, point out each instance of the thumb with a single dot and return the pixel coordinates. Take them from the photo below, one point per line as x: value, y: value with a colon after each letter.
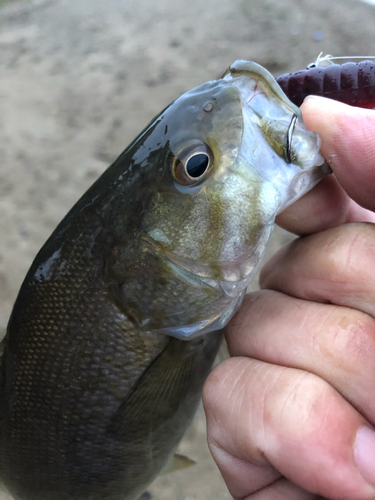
x: 348, y: 144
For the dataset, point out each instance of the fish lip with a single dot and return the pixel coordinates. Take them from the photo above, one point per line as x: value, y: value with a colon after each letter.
x: 252, y: 70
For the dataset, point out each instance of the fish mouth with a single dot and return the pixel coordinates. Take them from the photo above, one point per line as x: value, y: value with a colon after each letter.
x: 258, y: 77
x: 286, y: 154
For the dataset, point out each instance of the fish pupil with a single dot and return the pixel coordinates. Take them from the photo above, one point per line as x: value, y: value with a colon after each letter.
x: 197, y: 165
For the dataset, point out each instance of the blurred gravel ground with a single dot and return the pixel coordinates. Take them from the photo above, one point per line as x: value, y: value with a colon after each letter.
x: 79, y: 79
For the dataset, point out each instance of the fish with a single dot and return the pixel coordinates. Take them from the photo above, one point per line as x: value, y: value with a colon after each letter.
x: 119, y: 319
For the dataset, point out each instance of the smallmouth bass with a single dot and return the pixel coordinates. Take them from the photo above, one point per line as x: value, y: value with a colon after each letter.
x: 119, y: 318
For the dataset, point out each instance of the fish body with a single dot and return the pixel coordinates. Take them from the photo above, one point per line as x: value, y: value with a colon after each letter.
x: 119, y: 319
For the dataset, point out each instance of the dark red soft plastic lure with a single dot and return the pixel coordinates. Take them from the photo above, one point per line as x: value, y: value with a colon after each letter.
x: 351, y: 83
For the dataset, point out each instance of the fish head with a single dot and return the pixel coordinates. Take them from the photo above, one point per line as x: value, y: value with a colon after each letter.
x: 232, y: 154
x: 239, y: 153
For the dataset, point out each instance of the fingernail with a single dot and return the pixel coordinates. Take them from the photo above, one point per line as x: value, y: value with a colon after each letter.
x: 316, y: 98
x: 311, y: 98
x: 364, y: 453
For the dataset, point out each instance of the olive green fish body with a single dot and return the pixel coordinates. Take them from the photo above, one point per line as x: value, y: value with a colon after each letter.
x: 72, y: 428
x: 97, y: 387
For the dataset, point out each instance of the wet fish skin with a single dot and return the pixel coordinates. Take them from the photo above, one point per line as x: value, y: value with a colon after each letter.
x: 95, y: 394
x: 75, y: 362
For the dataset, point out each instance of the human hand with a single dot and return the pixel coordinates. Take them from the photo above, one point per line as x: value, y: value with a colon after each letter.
x: 292, y: 414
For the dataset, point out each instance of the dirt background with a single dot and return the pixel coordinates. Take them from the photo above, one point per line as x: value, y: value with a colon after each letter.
x: 79, y: 79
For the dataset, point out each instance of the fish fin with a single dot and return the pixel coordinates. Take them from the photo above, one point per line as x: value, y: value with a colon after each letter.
x: 174, y: 377
x: 177, y: 462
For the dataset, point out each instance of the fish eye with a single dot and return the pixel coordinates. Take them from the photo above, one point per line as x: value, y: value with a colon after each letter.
x: 289, y: 137
x: 193, y: 165
x: 197, y: 164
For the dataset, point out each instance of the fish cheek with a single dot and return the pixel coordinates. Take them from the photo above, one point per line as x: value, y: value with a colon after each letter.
x: 155, y: 294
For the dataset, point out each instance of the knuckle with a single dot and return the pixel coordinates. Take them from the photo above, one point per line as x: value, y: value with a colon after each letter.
x: 350, y: 248
x: 352, y: 333
x: 296, y: 403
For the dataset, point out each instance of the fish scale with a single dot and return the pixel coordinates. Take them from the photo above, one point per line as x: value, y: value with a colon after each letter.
x: 71, y: 347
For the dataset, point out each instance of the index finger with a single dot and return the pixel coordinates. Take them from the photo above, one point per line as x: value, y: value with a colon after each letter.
x: 348, y: 146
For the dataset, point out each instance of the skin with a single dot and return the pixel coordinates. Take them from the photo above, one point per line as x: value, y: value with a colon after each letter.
x: 292, y: 414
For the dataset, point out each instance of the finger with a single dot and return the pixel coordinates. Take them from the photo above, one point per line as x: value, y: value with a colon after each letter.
x: 260, y: 415
x: 335, y: 266
x: 348, y: 145
x: 335, y: 343
x: 325, y: 206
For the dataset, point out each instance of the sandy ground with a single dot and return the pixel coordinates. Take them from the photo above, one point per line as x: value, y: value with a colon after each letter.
x: 79, y: 79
